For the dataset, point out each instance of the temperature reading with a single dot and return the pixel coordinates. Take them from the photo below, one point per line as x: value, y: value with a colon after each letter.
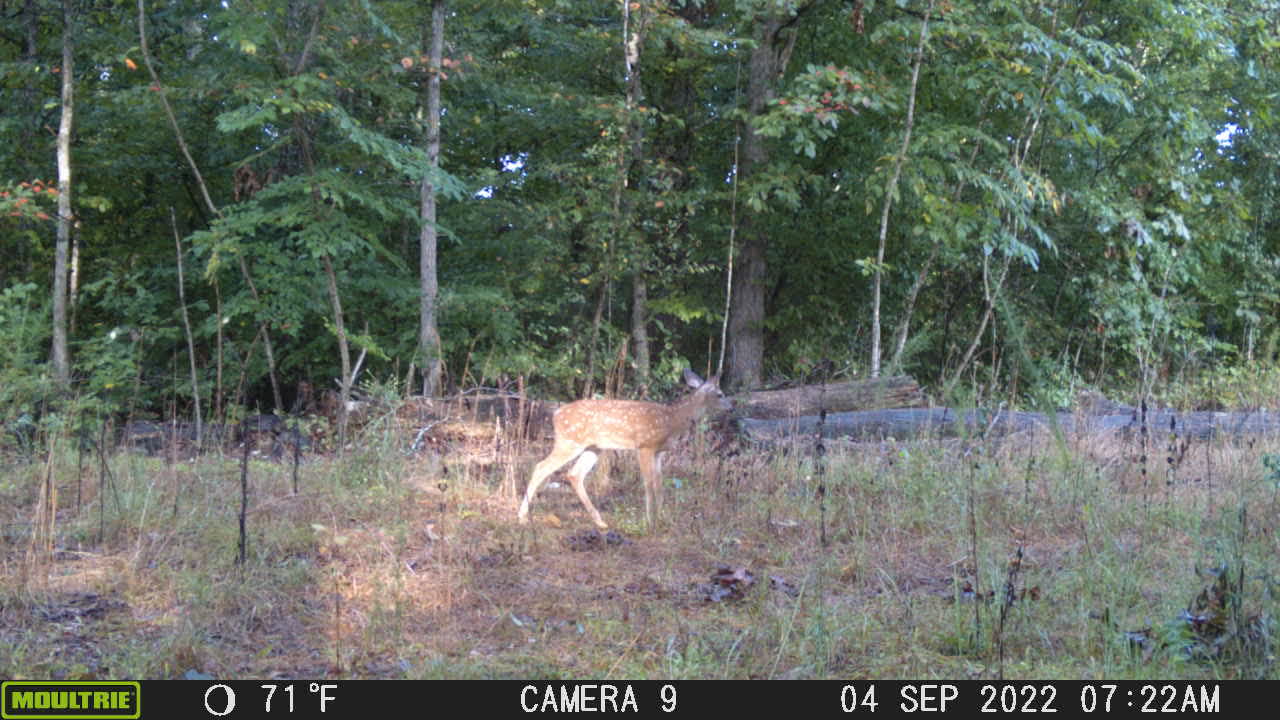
x: 323, y: 692
x: 271, y: 692
x: 314, y: 688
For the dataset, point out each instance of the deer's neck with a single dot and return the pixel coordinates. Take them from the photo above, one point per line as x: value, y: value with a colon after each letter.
x: 685, y: 412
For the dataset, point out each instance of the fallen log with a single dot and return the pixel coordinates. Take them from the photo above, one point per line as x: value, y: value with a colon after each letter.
x: 915, y: 422
x: 891, y: 392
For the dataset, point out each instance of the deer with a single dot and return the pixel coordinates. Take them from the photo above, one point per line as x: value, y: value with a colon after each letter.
x: 646, y: 427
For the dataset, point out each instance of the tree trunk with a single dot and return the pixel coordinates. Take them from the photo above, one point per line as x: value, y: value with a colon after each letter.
x: 344, y: 351
x: 331, y: 276
x: 31, y: 56
x: 633, y: 42
x: 208, y: 200
x: 589, y: 383
x: 890, y: 189
x: 747, y: 310
x: 428, y: 332
x: 746, y: 314
x: 73, y: 292
x: 990, y: 296
x: 217, y: 391
x: 639, y: 328
x: 186, y: 326
x: 908, y: 308
x: 267, y: 347
x: 60, y: 359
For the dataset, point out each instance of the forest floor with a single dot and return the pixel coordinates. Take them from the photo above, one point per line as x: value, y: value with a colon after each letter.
x: 1032, y: 558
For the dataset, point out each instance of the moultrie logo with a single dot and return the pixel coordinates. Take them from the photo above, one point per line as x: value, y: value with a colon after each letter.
x: 55, y: 700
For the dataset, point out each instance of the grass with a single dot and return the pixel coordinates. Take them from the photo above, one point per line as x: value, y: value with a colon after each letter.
x: 943, y: 558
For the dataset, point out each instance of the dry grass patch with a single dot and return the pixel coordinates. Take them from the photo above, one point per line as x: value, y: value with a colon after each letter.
x: 1031, y: 558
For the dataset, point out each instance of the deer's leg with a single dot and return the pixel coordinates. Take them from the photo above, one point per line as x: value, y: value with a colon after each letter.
x: 657, y: 473
x: 652, y: 485
x: 602, y: 480
x: 560, y: 454
x: 578, y: 477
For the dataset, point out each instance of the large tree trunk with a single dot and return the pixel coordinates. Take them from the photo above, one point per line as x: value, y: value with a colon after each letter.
x: 428, y: 332
x: 747, y: 310
x: 60, y: 359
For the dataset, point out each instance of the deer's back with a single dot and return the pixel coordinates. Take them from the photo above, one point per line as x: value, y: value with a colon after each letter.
x: 615, y: 424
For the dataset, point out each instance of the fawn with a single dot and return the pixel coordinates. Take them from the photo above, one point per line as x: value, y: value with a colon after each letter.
x: 648, y: 428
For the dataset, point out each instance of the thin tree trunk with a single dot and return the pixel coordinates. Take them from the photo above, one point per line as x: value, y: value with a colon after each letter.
x: 267, y: 346
x: 639, y: 328
x: 208, y: 201
x: 597, y: 319
x: 331, y: 276
x: 890, y: 189
x: 238, y: 398
x: 733, y: 235
x: 900, y: 341
x: 633, y: 41
x: 73, y: 292
x: 61, y: 360
x: 344, y: 350
x: 186, y: 325
x: 30, y: 55
x: 217, y: 394
x: 921, y: 276
x: 990, y: 294
x: 428, y: 330
x: 1021, y: 149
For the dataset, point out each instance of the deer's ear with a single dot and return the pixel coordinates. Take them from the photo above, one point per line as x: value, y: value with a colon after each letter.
x: 692, y: 378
